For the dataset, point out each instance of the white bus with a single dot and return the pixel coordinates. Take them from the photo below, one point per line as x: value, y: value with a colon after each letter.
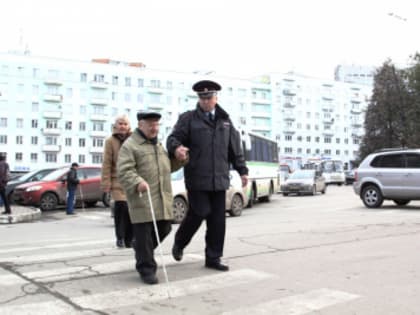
x: 261, y: 156
x: 333, y: 172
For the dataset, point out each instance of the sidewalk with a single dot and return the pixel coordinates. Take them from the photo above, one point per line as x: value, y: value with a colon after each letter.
x: 20, y: 214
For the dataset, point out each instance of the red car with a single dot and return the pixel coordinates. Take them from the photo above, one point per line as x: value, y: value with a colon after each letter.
x: 51, y: 191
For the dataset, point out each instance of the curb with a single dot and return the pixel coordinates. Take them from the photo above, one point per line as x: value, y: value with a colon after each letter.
x: 31, y: 215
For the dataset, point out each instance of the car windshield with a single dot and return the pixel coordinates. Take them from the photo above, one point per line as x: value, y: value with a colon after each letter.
x: 56, y: 174
x: 178, y: 175
x: 302, y: 174
x: 30, y: 174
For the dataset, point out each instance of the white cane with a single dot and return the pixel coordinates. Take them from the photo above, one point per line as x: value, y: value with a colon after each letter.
x: 158, y: 241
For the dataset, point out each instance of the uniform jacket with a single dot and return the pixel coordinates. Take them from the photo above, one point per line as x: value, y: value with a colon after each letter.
x: 72, y: 180
x: 213, y: 146
x: 4, y: 174
x: 109, y: 176
x: 141, y: 160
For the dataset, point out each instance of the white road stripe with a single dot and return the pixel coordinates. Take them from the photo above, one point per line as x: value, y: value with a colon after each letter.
x: 297, y: 304
x: 148, y: 294
x: 53, y: 246
x: 77, y: 272
x: 43, y: 308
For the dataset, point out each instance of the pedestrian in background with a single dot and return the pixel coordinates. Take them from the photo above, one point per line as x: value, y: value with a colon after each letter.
x: 208, y: 137
x: 109, y: 181
x: 4, y: 178
x: 72, y: 182
x: 143, y: 164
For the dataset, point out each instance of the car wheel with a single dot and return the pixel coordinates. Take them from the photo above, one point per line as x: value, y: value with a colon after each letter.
x: 270, y: 193
x: 313, y: 193
x: 372, y: 196
x: 49, y: 201
x: 285, y: 194
x: 236, y: 206
x: 401, y: 202
x: 106, y: 199
x: 180, y: 206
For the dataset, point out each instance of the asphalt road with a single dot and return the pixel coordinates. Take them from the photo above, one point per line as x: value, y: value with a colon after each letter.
x: 324, y: 254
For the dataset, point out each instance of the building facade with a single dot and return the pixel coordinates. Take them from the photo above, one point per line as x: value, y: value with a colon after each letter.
x: 55, y: 111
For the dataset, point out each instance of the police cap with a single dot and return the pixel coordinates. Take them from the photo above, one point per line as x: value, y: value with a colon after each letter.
x: 206, y: 88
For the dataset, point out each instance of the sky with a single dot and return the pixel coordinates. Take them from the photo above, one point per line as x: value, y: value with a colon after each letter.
x: 240, y: 38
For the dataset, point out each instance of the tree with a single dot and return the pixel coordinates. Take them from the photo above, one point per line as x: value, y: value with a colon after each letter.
x: 413, y: 77
x: 387, y: 120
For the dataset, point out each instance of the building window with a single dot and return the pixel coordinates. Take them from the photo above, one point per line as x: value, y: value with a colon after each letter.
x: 82, y: 126
x: 308, y: 126
x: 34, y: 123
x: 3, y: 139
x: 35, y: 90
x: 127, y: 81
x: 299, y: 138
x: 355, y: 141
x: 114, y: 96
x: 68, y: 125
x: 288, y: 137
x: 155, y: 83
x: 51, y: 124
x: 67, y: 158
x: 99, y: 78
x: 127, y: 97
x: 346, y: 141
x: 82, y: 109
x: 81, y: 158
x: 308, y: 139
x: 327, y: 151
x: 19, y: 123
x: 337, y: 152
x: 96, y: 158
x: 98, y: 142
x: 69, y: 92
x: 3, y: 122
x: 51, y: 157
x: 140, y: 83
x: 83, y: 77
x: 288, y: 150
x: 308, y: 151
x: 34, y: 157
x: 19, y: 156
x: 35, y: 107
x: 169, y: 85
x: 35, y: 73
x: 98, y: 126
x: 327, y: 140
x: 34, y: 140
x: 337, y: 140
x: 115, y: 80
x: 299, y: 150
x: 68, y: 142
x: 139, y: 98
x: 82, y: 142
x: 19, y: 139
x: 51, y: 140
x: 114, y: 112
x: 98, y: 110
x: 316, y: 139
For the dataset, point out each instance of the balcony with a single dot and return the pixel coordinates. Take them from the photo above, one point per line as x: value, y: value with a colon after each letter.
x: 100, y: 117
x: 100, y: 134
x: 289, y: 104
x: 328, y: 132
x: 53, y: 98
x: 289, y: 130
x: 51, y: 131
x: 289, y: 117
x: 327, y: 96
x: 156, y: 106
x: 96, y: 150
x: 155, y: 90
x: 289, y: 91
x: 356, y: 124
x: 99, y: 101
x: 53, y: 81
x: 98, y: 85
x: 51, y: 148
x: 261, y: 114
x: 328, y: 121
x: 52, y: 114
x: 261, y: 101
x: 356, y: 111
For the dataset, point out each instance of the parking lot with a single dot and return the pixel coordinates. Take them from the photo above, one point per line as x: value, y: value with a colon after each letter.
x: 323, y: 254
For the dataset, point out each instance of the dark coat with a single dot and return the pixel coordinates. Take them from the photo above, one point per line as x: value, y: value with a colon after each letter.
x: 4, y: 174
x: 72, y: 180
x: 213, y: 146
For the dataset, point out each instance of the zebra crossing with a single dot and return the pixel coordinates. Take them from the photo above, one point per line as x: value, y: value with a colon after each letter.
x: 94, y: 277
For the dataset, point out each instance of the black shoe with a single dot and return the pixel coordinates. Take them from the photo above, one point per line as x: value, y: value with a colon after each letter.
x: 177, y: 252
x: 71, y: 213
x: 120, y: 243
x: 5, y: 212
x: 128, y: 244
x: 149, y: 279
x: 217, y: 265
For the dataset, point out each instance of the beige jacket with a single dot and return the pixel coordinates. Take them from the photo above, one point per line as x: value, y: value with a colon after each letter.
x: 109, y: 177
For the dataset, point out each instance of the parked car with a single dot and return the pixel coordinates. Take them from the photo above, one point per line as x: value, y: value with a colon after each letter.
x: 304, y: 182
x: 33, y: 176
x: 389, y: 174
x: 236, y: 196
x: 282, y: 174
x: 51, y: 191
x: 349, y: 177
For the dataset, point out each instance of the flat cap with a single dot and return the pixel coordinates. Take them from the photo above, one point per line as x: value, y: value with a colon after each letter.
x: 148, y: 115
x: 206, y: 88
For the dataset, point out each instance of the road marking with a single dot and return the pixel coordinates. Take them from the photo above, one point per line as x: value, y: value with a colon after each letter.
x: 77, y: 272
x: 148, y: 294
x: 53, y: 246
x: 297, y: 304
x: 43, y: 308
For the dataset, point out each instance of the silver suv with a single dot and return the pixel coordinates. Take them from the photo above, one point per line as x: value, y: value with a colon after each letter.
x: 391, y: 174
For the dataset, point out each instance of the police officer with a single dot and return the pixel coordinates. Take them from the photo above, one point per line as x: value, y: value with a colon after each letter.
x: 207, y: 137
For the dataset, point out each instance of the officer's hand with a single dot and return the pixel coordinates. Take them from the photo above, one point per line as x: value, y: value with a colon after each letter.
x: 244, y: 179
x: 142, y: 187
x: 181, y: 153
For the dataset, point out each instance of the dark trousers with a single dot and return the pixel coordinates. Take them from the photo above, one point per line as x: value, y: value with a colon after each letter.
x: 71, y: 194
x: 145, y: 243
x: 122, y: 223
x: 211, y: 206
x: 5, y: 200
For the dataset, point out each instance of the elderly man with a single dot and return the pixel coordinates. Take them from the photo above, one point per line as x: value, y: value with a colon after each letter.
x: 143, y: 165
x: 208, y: 137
